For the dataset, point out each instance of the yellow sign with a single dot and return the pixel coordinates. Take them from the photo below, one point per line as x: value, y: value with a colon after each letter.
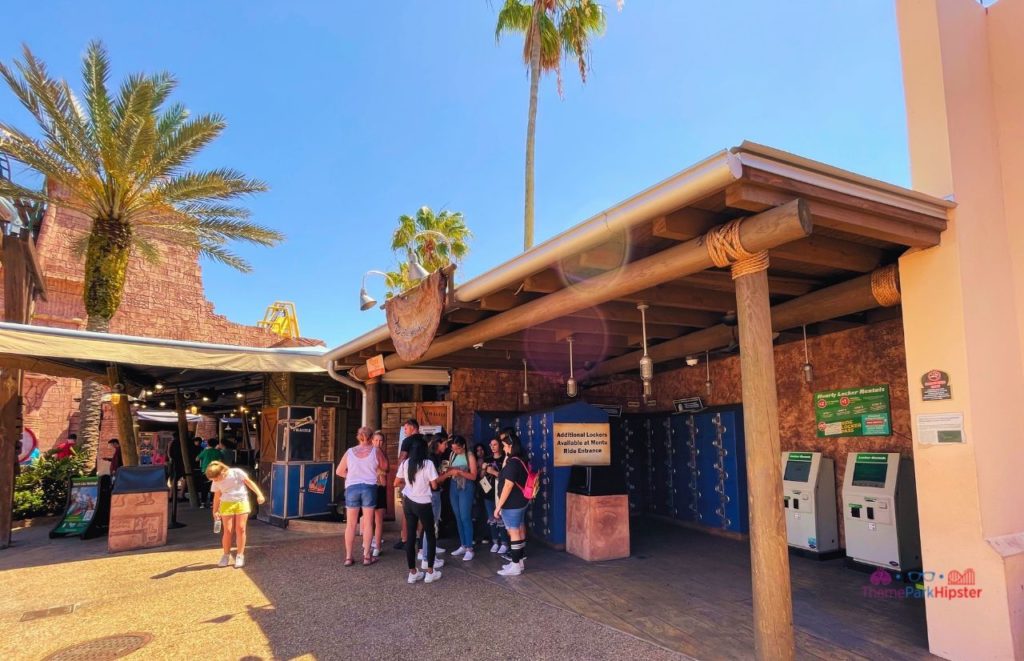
x: 583, y: 444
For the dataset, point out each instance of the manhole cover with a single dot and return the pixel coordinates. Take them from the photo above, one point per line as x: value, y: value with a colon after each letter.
x: 103, y: 649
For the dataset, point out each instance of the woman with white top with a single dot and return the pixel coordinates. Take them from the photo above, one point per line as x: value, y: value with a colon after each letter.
x: 417, y: 477
x: 359, y: 469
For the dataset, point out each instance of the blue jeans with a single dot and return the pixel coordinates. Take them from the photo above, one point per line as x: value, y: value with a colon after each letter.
x: 499, y: 535
x: 462, y: 505
x: 435, y: 505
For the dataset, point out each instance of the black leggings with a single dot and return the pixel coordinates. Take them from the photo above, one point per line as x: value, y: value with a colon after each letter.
x: 424, y: 514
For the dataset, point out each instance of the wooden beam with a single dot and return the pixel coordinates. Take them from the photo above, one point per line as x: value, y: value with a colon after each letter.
x: 43, y: 366
x: 827, y: 251
x: 506, y: 299
x: 839, y: 300
x: 769, y: 551
x: 684, y: 224
x: 372, y: 404
x: 544, y: 282
x: 778, y: 285
x: 465, y: 316
x: 751, y: 197
x: 564, y: 326
x: 683, y: 296
x: 605, y: 257
x: 761, y: 232
x: 655, y: 314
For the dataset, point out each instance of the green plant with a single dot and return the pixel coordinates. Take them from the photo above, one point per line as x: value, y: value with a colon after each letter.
x: 42, y: 487
x: 432, y: 252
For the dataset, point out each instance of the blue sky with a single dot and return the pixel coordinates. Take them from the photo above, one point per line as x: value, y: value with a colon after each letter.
x: 355, y: 113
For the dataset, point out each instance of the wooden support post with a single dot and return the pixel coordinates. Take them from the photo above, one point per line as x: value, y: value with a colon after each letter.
x: 769, y: 553
x: 372, y: 404
x: 10, y: 432
x: 17, y: 305
x: 183, y: 441
x: 125, y: 424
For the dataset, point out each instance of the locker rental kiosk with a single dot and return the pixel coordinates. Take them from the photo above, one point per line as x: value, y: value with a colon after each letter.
x: 809, y: 498
x: 880, y: 511
x: 299, y: 485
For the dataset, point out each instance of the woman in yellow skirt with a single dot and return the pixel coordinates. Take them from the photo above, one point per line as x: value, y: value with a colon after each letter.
x: 230, y: 487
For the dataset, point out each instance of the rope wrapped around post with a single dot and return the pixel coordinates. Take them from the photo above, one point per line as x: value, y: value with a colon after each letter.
x: 725, y: 249
x: 885, y: 286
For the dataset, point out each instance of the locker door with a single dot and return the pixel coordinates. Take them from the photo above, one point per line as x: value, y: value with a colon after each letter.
x: 659, y: 440
x: 734, y: 462
x: 684, y: 468
x: 707, y: 478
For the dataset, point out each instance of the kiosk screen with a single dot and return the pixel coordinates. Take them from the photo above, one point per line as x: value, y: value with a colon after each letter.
x: 797, y: 471
x: 870, y: 475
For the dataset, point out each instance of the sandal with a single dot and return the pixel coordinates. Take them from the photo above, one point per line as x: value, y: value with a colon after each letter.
x: 349, y: 562
x: 370, y: 561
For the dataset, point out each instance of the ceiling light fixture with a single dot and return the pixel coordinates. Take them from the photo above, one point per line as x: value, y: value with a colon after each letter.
x: 707, y: 383
x: 570, y: 383
x: 646, y: 363
x: 526, y: 394
x: 808, y: 370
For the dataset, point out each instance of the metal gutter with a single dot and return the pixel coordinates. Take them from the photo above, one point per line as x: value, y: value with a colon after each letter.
x: 351, y: 383
x: 826, y: 176
x: 705, y: 178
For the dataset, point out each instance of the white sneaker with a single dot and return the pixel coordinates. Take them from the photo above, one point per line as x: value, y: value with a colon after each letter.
x: 460, y: 551
x: 502, y: 549
x: 511, y: 569
x: 433, y: 577
x: 468, y: 555
x: 438, y: 563
x: 239, y: 561
x: 376, y: 553
x: 494, y: 547
x: 373, y: 543
x: 415, y: 577
x: 439, y: 551
x: 225, y: 560
x: 419, y: 555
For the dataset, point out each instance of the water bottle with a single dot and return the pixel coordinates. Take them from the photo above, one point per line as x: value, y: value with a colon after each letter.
x: 216, y: 526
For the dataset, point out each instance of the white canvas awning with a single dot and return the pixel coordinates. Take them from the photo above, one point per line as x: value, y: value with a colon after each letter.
x: 59, y: 343
x: 166, y: 417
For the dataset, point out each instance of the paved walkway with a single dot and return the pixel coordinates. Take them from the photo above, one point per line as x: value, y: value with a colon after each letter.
x: 293, y: 600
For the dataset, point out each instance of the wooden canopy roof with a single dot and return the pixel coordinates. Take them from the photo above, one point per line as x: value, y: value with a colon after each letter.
x: 859, y: 225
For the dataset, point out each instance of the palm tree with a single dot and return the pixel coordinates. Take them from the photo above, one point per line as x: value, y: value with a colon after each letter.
x: 431, y: 252
x: 552, y: 29
x: 122, y: 160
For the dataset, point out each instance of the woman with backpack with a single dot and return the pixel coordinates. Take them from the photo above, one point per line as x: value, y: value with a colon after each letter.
x: 417, y: 477
x: 511, y: 501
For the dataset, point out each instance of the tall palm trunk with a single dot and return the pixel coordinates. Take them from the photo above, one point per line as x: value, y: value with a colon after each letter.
x: 531, y: 124
x: 106, y: 266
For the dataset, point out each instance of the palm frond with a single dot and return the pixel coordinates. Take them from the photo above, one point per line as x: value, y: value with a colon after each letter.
x: 514, y: 16
x: 221, y: 184
x: 222, y: 255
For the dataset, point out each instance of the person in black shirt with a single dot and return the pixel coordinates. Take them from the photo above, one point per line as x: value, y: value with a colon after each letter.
x: 510, y: 501
x: 410, y: 428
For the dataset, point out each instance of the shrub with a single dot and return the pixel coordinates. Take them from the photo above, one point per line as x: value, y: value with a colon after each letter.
x: 42, y: 487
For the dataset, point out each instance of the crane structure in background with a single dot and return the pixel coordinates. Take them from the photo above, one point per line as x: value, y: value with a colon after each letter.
x: 281, y: 319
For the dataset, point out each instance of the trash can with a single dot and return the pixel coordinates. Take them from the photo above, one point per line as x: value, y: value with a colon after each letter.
x: 138, y: 509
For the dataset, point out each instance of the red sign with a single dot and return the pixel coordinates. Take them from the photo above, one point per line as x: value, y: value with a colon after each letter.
x: 375, y: 366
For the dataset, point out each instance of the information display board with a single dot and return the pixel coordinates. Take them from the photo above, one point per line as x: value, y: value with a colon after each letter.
x: 853, y: 412
x: 81, y: 508
x: 582, y: 444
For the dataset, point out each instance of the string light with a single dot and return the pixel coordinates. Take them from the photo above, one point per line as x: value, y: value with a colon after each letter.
x: 707, y: 363
x: 808, y: 370
x: 570, y: 383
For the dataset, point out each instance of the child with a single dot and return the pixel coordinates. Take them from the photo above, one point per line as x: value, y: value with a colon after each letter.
x: 230, y: 487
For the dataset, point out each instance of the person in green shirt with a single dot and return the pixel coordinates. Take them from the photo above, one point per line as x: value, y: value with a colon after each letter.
x: 209, y: 455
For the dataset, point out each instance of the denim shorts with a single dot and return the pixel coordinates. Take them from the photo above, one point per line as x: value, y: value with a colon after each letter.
x: 514, y: 518
x: 361, y: 495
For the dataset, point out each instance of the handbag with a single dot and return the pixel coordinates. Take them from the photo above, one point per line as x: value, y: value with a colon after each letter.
x: 485, y: 484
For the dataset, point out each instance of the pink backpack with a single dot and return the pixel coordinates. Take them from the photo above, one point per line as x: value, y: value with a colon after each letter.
x: 532, y: 486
